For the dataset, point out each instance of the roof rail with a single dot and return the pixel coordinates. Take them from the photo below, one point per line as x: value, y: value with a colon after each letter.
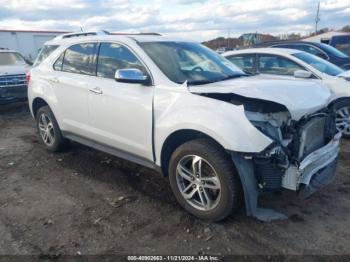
x: 4, y: 48
x: 149, y: 33
x: 79, y: 34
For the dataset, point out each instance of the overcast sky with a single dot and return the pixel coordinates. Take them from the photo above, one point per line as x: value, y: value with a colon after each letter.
x: 197, y: 19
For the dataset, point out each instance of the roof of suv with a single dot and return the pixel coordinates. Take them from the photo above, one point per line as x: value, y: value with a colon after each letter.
x: 136, y: 37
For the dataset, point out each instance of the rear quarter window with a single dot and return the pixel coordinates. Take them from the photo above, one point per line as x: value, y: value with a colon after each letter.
x: 44, y: 53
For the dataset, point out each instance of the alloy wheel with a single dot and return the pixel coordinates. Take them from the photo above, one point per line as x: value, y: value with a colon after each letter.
x: 46, y: 129
x: 343, y: 120
x: 198, y: 182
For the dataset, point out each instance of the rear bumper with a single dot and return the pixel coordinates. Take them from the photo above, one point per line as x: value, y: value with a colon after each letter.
x: 12, y: 95
x: 316, y: 170
x: 10, y: 100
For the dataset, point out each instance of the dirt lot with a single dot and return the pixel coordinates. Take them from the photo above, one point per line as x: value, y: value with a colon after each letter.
x: 84, y: 201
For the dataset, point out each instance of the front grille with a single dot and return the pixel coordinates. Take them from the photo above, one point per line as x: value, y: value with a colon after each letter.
x: 312, y: 136
x: 13, y: 81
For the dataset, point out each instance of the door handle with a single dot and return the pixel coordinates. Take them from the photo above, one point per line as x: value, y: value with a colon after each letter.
x: 54, y: 80
x: 96, y: 90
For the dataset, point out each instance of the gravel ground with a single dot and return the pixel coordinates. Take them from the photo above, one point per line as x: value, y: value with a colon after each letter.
x: 86, y: 202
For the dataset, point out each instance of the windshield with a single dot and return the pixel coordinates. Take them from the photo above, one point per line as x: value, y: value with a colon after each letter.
x: 10, y: 58
x: 333, y: 51
x: 319, y: 64
x: 191, y: 62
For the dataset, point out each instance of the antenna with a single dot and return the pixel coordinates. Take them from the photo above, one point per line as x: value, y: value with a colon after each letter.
x: 317, y: 19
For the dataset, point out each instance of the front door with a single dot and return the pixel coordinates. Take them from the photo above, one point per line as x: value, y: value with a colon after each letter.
x: 121, y: 113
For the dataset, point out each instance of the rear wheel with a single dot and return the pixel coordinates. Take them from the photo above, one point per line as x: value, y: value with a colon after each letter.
x: 49, y: 131
x: 204, y: 181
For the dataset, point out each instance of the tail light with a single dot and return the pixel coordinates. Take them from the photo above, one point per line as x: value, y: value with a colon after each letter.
x: 28, y: 76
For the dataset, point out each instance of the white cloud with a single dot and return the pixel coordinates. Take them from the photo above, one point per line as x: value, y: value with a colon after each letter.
x: 200, y: 19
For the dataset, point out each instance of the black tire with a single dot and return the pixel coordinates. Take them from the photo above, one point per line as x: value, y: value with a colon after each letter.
x: 341, y: 104
x: 59, y: 142
x: 231, y: 190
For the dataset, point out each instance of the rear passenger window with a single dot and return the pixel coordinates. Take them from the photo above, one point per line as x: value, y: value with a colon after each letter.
x: 44, y: 53
x: 80, y: 59
x: 114, y: 56
x: 59, y: 62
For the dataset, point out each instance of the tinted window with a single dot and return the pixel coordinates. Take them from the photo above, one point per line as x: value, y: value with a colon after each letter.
x: 114, y: 56
x: 244, y: 62
x: 276, y: 65
x: 334, y: 51
x: 319, y: 64
x: 305, y: 48
x: 59, y: 62
x: 80, y: 59
x: 44, y: 53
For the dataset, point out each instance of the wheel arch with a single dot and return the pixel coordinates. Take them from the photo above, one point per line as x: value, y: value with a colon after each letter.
x: 339, y: 100
x: 37, y: 103
x: 176, y: 139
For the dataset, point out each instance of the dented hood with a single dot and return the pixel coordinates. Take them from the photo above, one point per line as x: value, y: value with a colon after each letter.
x: 299, y: 97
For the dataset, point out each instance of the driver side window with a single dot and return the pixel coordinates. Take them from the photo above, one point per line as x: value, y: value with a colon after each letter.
x: 113, y: 56
x: 277, y: 65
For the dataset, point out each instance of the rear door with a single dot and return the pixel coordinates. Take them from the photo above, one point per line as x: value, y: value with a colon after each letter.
x: 73, y: 73
x: 277, y: 66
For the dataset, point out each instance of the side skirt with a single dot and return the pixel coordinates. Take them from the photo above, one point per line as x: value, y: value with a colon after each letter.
x: 111, y: 150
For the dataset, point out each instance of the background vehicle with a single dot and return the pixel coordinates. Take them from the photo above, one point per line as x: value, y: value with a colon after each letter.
x: 321, y: 50
x: 341, y: 42
x: 13, y: 83
x: 176, y: 106
x: 294, y: 64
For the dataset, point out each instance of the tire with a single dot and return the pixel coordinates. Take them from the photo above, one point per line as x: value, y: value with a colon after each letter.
x: 342, y: 109
x: 55, y: 141
x: 211, y: 159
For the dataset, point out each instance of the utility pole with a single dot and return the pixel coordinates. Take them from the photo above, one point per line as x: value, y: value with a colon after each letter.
x: 317, y: 19
x: 228, y: 38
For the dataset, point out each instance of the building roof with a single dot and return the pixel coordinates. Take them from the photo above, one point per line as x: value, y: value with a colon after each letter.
x: 327, y: 35
x: 34, y: 31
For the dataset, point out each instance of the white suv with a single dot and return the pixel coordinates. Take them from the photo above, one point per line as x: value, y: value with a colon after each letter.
x: 184, y: 110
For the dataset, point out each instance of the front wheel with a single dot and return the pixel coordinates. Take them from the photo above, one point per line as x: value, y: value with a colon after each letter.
x: 204, y: 180
x: 342, y: 120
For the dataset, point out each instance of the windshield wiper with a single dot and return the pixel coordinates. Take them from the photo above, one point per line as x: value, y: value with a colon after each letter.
x: 233, y: 76
x: 202, y: 82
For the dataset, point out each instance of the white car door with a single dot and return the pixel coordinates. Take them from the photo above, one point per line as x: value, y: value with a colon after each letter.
x: 121, y: 113
x: 71, y: 77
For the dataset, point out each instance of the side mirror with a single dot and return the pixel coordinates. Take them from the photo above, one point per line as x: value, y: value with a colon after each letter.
x: 302, y: 74
x: 131, y: 75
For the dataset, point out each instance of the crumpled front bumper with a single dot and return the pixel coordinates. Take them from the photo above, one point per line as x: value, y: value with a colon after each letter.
x: 316, y: 170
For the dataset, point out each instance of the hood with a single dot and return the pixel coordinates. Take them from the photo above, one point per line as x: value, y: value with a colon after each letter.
x: 14, y: 69
x: 299, y: 97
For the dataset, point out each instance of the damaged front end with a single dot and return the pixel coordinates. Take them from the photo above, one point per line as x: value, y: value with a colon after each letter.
x: 303, y: 156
